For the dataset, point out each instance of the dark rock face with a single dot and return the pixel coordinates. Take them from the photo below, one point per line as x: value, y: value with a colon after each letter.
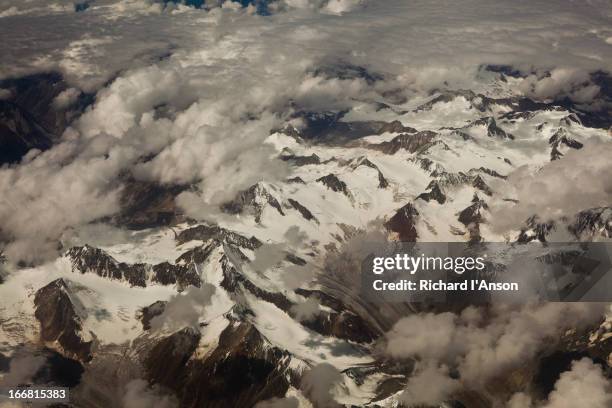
x: 570, y: 120
x: 535, y: 229
x: 252, y: 200
x: 345, y: 71
x: 2, y: 271
x: 302, y: 210
x: 4, y: 363
x: 492, y: 129
x: 521, y: 105
x: 480, y: 184
x: 146, y: 205
x: 149, y: 312
x: 58, y: 370
x: 198, y: 255
x: 181, y: 275
x: 343, y: 325
x: 19, y: 133
x: 445, y: 178
x: 88, y: 259
x: 364, y: 161
x: 301, y: 160
x: 29, y: 119
x: 294, y: 259
x: 234, y: 282
x: 410, y: 142
x: 35, y: 94
x: 205, y: 232
x: 332, y: 182
x: 166, y: 361
x: 472, y: 217
x: 462, y: 135
x: 242, y: 371
x: 434, y: 193
x: 493, y: 173
x: 592, y: 222
x: 296, y: 180
x: 395, y: 127
x: 60, y: 320
x: 382, y: 181
x: 555, y: 154
x: 471, y: 214
x: 404, y: 223
x: 503, y: 69
x: 561, y: 138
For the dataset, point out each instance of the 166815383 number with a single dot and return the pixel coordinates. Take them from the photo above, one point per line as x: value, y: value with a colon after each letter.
x: 35, y: 394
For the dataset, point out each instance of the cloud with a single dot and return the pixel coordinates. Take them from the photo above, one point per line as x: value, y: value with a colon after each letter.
x: 52, y: 192
x: 558, y: 189
x: 585, y: 385
x: 553, y: 36
x: 520, y: 400
x: 428, y: 336
x: 21, y: 369
x: 306, y: 310
x: 193, y: 101
x: 66, y: 98
x: 337, y: 7
x: 483, y: 345
x: 138, y: 394
x: 318, y: 384
x: 342, y: 6
x: 184, y: 309
x: 430, y: 385
x: 271, y: 255
x: 559, y: 83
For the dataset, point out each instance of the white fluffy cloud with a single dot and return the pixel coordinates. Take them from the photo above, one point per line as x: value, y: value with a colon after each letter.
x: 318, y: 385
x: 559, y: 83
x: 51, y: 193
x: 429, y: 386
x: 529, y: 34
x: 184, y: 309
x: 520, y: 400
x: 66, y: 98
x: 585, y: 385
x: 481, y: 346
x: 558, y: 189
x: 306, y: 310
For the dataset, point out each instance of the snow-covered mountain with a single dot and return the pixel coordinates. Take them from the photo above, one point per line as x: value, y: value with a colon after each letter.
x: 235, y: 311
